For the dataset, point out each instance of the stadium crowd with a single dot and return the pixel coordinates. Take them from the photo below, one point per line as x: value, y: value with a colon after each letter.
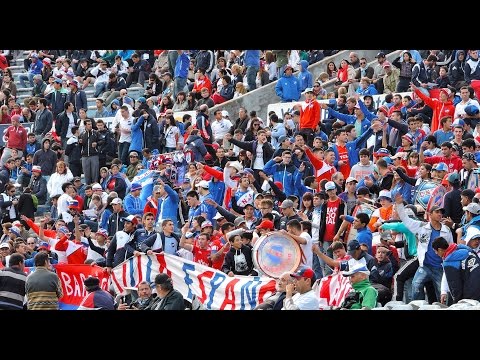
x: 388, y: 194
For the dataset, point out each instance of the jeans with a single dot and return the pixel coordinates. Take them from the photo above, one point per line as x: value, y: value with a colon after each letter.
x: 424, y: 274
x: 329, y: 252
x: 123, y: 152
x: 28, y: 76
x: 252, y: 77
x: 100, y: 88
x: 179, y: 85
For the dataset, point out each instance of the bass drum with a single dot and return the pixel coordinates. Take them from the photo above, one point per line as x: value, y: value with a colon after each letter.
x: 275, y: 253
x: 473, y: 181
x: 424, y: 193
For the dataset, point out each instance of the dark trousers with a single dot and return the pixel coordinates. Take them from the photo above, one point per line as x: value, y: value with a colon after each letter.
x: 75, y: 168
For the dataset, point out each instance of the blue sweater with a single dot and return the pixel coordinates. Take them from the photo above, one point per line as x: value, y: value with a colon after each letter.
x: 137, y: 135
x: 288, y: 88
x: 134, y: 205
x: 353, y: 147
x: 181, y: 66
x: 286, y: 174
x: 364, y: 235
x: 168, y: 206
x: 304, y: 76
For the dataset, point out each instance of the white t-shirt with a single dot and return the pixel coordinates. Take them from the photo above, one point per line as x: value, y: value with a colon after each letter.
x: 71, y: 123
x: 170, y: 136
x: 306, y: 301
x: 220, y: 128
x: 258, y: 163
x: 460, y: 107
x: 125, y: 130
x: 307, y: 249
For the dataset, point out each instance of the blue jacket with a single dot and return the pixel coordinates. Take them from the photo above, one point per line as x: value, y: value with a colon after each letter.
x: 304, y: 76
x: 353, y: 147
x: 137, y: 135
x: 252, y: 58
x: 32, y: 148
x: 370, y: 90
x: 217, y: 189
x: 133, y: 205
x: 168, y: 207
x: 288, y: 88
x: 105, y: 216
x: 404, y: 189
x: 286, y: 174
x: 364, y: 235
x: 462, y: 270
x: 181, y: 66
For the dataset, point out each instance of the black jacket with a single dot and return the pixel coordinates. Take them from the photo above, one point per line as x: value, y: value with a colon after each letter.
x: 62, y: 122
x: 47, y: 160
x: 173, y: 301
x: 73, y: 152
x: 79, y: 100
x: 252, y: 147
x: 239, y: 268
x: 86, y: 144
x: 57, y: 101
x: 26, y: 206
x: 112, y: 222
x: 43, y: 122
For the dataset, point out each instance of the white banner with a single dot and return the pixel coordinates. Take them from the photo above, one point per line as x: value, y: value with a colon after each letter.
x: 213, y: 288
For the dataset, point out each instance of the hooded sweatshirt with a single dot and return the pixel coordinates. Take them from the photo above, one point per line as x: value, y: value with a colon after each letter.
x: 304, y: 76
x: 440, y: 109
x: 368, y: 295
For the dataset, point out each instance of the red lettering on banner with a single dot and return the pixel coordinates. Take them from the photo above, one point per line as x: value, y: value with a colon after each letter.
x: 205, y: 274
x: 229, y: 295
x: 265, y: 289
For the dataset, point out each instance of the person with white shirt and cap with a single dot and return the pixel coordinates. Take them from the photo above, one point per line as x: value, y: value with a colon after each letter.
x: 304, y: 298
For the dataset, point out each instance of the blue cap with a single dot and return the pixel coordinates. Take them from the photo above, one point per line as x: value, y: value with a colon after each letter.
x: 58, y: 81
x: 382, y: 152
x: 128, y: 100
x: 142, y: 100
x: 292, y: 139
x: 136, y: 186
x: 441, y: 166
x: 471, y: 110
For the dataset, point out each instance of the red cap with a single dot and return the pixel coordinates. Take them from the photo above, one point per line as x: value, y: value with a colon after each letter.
x: 445, y: 180
x: 266, y: 224
x: 305, y: 272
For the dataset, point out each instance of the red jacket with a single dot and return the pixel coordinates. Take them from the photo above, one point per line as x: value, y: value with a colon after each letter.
x: 16, y: 137
x: 310, y: 116
x: 439, y: 108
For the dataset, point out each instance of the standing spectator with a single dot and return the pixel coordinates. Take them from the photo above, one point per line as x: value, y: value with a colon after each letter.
x: 117, y: 252
x: 57, y: 98
x: 12, y: 283
x: 42, y: 287
x: 456, y: 73
x: 204, y: 60
x: 305, y: 77
x: 45, y: 158
x: 89, y: 151
x: 281, y: 61
x: 406, y: 67
x: 288, y: 86
x: 43, y: 120
x: 309, y: 117
x: 252, y: 63
x: 73, y: 151
x: 462, y: 269
x: 77, y: 96
x: 181, y: 72
x: 125, y: 127
x: 65, y: 122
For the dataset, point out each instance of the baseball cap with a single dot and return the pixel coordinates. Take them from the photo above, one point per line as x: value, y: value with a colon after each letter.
x: 385, y: 194
x: 363, y: 190
x: 453, y: 177
x: 15, y: 230
x: 97, y: 186
x: 64, y: 230
x: 135, y: 186
x: 441, y: 166
x: 288, y: 66
x: 386, y: 64
x: 236, y: 165
x: 142, y: 100
x: 472, y: 232
x: 471, y: 110
x: 77, y: 178
x: 238, y: 221
x: 380, y: 54
x: 44, y: 246
x: 218, y: 216
x: 468, y: 156
x: 357, y: 268
x: 36, y: 168
x: 206, y: 223
x: 102, y: 232
x: 474, y: 208
x: 386, y: 235
x: 132, y: 219
x: 4, y: 246
x: 458, y: 123
x: 382, y: 152
x: 352, y: 245
x: 436, y: 208
x: 162, y: 279
x: 58, y: 81
x: 225, y: 113
x: 408, y: 137
x: 286, y: 204
x: 304, y: 272
x: 203, y: 184
x: 330, y: 185
x: 307, y: 90
x: 266, y: 224
x: 350, y: 179
x: 116, y: 201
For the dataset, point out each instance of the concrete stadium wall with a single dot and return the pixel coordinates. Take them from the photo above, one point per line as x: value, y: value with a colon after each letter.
x: 259, y: 99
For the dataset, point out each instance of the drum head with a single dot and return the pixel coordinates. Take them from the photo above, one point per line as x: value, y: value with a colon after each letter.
x: 275, y: 253
x: 473, y: 181
x: 436, y: 198
x: 424, y: 193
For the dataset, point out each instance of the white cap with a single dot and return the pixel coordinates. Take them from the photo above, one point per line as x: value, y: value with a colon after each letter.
x: 116, y: 201
x: 225, y: 113
x: 97, y: 186
x: 474, y: 208
x: 204, y: 184
x: 218, y: 216
x: 350, y: 179
x: 236, y: 165
x: 473, y: 232
x: 330, y: 185
x: 386, y: 194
